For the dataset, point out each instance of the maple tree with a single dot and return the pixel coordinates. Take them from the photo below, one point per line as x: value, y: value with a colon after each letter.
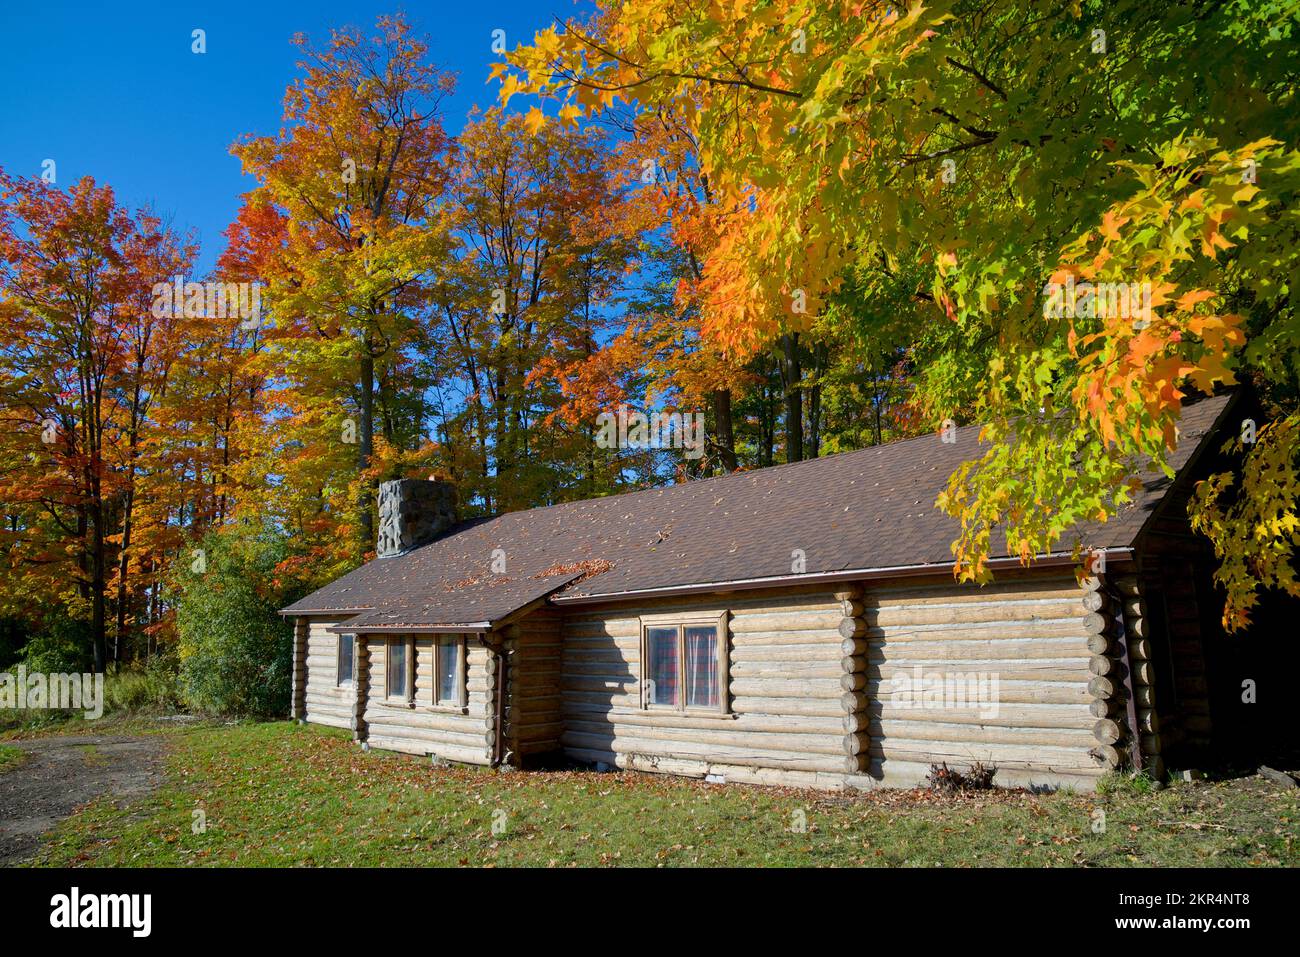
x: 977, y: 153
x: 355, y: 174
x: 84, y: 357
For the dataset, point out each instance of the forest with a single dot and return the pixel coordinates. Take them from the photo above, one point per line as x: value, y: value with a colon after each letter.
x: 817, y: 226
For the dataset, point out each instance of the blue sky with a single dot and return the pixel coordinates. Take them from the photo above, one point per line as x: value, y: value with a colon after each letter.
x: 111, y: 89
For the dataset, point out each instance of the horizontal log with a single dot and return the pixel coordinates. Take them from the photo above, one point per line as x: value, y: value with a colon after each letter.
x: 1099, y: 644
x: 804, y: 620
x: 1052, y: 669
x: 786, y: 706
x: 784, y: 724
x: 1011, y: 716
x: 1043, y: 628
x: 1107, y: 731
x: 1100, y: 665
x: 966, y: 753
x: 1128, y: 585
x: 946, y: 735
x: 711, y: 753
x: 745, y: 668
x: 855, y: 743
x: 992, y: 648
x: 853, y: 646
x: 1103, y: 707
x: 1106, y: 755
x: 1096, y: 601
x: 855, y: 681
x: 787, y: 687
x: 1095, y: 623
x: 1101, y: 687
x: 944, y: 591
x: 718, y: 736
x: 827, y: 650
x: 852, y: 701
x: 852, y: 628
x: 968, y: 612
x: 1010, y: 692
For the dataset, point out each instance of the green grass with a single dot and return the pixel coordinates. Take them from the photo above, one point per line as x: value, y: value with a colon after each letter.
x: 281, y: 794
x: 11, y: 757
x: 43, y: 724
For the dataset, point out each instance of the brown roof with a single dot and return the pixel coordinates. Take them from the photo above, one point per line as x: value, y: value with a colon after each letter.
x: 869, y: 510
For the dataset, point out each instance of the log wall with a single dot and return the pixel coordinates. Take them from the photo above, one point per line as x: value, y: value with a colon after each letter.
x: 786, y: 723
x: 534, y: 721
x: 1029, y: 633
x: 323, y: 701
x: 453, y: 734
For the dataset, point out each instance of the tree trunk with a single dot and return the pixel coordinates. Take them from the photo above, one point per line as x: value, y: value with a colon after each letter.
x: 726, y: 439
x: 366, y: 445
x: 791, y: 376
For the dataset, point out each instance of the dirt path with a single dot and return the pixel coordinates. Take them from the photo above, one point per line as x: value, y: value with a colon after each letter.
x: 62, y: 773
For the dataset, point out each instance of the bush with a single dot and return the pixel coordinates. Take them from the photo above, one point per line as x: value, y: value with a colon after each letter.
x: 235, y: 650
x: 950, y: 780
x: 151, y: 687
x: 62, y: 646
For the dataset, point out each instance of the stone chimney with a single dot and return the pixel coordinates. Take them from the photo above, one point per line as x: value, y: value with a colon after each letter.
x: 413, y: 512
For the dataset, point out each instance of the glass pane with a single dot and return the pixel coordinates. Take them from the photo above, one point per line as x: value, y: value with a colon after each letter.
x: 448, y: 669
x: 397, y: 667
x: 701, y: 666
x: 346, y: 647
x: 661, y: 668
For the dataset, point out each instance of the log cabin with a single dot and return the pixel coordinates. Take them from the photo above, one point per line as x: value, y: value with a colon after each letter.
x: 794, y: 625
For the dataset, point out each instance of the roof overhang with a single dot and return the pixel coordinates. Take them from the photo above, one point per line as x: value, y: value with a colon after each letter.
x: 471, y: 626
x: 1052, y: 559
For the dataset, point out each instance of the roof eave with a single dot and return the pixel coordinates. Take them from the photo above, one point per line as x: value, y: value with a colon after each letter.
x: 476, y: 627
x: 1115, y: 553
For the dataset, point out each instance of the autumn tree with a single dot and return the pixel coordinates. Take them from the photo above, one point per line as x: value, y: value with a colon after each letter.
x: 84, y: 356
x: 1007, y: 150
x: 357, y: 174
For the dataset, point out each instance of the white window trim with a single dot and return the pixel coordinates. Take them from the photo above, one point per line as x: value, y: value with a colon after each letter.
x: 681, y: 622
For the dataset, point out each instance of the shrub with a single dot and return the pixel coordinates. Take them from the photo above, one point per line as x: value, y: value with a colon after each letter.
x: 945, y: 779
x: 150, y: 687
x: 235, y: 650
x: 62, y: 646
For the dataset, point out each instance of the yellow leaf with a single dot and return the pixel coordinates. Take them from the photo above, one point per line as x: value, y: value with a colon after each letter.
x: 569, y: 114
x: 535, y: 120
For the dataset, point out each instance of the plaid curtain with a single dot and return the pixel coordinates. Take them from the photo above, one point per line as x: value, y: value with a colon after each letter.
x: 701, y: 667
x: 663, y: 665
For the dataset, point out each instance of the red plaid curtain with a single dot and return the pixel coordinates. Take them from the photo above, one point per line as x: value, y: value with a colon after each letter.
x: 663, y: 665
x: 701, y: 667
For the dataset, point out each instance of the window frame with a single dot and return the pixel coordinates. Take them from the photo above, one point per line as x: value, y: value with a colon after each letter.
x: 407, y: 696
x: 459, y: 643
x: 339, y: 681
x: 682, y: 621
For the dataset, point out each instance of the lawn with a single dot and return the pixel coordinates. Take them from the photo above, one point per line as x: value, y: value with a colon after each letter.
x: 281, y: 794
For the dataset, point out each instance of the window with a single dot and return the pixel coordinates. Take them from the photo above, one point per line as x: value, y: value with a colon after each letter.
x: 449, y: 668
x: 684, y: 663
x: 347, y: 657
x: 400, y: 659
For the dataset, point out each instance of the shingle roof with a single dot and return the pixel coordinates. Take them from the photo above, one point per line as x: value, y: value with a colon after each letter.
x: 856, y: 511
